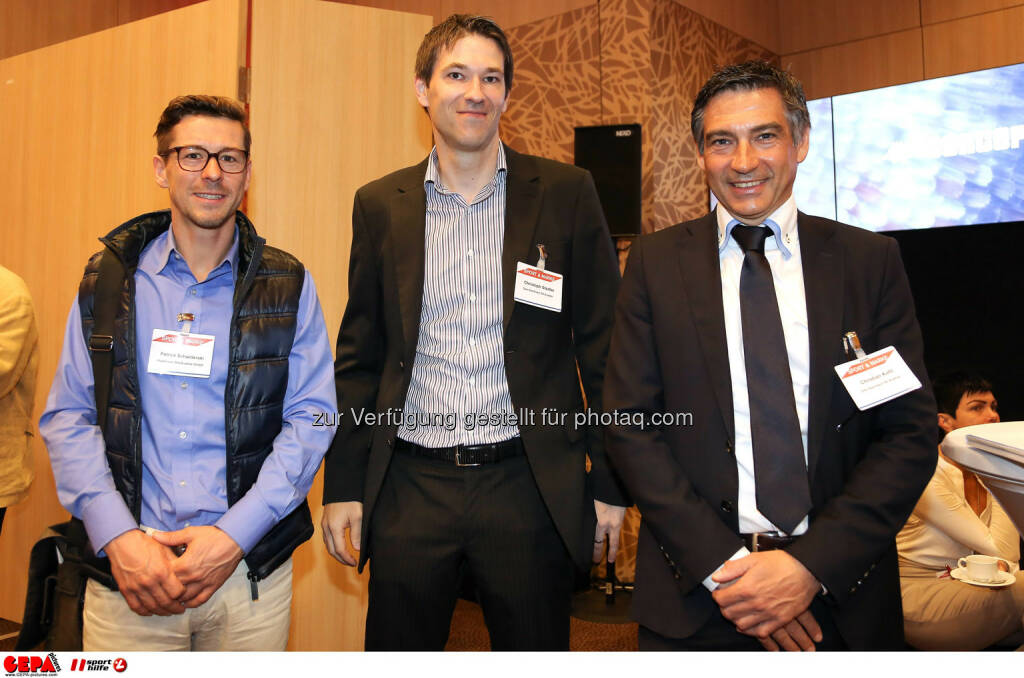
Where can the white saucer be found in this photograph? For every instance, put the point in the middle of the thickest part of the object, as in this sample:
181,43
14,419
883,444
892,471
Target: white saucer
1005,578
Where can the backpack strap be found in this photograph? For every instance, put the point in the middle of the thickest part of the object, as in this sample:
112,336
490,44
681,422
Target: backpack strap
106,300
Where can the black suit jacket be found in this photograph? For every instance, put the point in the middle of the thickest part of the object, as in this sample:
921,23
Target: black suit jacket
548,203
866,469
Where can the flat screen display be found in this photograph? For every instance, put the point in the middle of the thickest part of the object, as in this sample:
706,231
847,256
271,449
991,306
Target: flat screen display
942,152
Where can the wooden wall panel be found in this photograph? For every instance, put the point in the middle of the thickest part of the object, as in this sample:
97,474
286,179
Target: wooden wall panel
431,8
755,20
977,42
506,14
934,11
854,66
76,126
509,14
133,10
808,24
332,108
29,24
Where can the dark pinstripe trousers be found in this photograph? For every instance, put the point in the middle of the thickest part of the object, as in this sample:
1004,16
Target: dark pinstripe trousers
435,523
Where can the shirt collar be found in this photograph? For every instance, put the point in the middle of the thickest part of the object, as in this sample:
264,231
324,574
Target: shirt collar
782,223
433,175
157,254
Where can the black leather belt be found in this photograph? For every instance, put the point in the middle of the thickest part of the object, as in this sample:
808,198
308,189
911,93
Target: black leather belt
766,541
465,455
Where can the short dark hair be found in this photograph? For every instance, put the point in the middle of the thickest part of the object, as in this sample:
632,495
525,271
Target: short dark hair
746,77
951,387
451,30
198,104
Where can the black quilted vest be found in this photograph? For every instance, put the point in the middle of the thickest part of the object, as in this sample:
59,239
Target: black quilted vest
266,301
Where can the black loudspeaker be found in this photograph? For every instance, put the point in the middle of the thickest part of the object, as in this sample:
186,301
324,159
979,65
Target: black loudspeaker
612,153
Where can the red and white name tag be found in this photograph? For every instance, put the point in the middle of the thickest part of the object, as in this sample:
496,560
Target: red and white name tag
877,378
538,287
181,354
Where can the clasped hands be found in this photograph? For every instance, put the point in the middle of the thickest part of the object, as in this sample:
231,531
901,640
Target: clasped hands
767,595
153,580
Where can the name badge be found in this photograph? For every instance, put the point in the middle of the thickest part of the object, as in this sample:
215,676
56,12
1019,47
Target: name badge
180,353
538,287
877,378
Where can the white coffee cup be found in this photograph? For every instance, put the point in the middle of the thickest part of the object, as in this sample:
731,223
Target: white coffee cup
984,569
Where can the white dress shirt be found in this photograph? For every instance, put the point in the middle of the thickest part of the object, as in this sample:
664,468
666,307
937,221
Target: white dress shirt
783,254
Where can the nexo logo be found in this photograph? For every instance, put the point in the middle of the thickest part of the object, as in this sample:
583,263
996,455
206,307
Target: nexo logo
25,664
623,132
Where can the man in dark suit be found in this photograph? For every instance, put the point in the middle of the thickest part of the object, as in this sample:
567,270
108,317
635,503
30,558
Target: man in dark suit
769,516
475,464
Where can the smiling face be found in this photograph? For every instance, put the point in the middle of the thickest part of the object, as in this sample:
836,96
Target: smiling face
466,94
206,199
750,157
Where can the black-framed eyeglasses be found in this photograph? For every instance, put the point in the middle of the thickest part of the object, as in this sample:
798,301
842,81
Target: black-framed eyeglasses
195,158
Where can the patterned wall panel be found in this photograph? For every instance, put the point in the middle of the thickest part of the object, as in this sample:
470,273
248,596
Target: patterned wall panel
556,85
685,50
627,81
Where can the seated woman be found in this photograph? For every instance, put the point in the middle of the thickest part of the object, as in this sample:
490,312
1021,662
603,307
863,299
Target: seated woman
957,516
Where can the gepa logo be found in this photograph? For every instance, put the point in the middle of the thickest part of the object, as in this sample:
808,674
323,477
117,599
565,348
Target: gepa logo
30,664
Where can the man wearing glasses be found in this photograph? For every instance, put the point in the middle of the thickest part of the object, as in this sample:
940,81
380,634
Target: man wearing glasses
211,360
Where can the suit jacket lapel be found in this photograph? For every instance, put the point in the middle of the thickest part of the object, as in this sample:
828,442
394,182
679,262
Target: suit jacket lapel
701,281
407,219
823,286
523,194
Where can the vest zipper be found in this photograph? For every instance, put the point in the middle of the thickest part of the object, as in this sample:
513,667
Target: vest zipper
254,590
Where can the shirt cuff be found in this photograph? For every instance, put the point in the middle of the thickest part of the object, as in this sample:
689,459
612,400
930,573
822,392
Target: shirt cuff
247,520
107,517
712,585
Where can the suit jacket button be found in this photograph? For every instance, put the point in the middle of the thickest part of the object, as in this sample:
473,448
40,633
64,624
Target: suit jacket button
388,442
727,506
401,364
676,575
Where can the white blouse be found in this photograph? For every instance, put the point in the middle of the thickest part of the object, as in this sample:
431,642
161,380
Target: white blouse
943,527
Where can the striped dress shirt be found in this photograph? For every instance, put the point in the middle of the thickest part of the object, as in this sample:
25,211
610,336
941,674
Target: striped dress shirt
459,372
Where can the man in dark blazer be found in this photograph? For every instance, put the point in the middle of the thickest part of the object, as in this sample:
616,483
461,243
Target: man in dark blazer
475,463
713,571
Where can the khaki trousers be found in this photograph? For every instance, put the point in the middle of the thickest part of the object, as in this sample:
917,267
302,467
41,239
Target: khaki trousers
229,620
945,614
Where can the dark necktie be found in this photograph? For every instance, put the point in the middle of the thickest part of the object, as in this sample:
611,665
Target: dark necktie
780,472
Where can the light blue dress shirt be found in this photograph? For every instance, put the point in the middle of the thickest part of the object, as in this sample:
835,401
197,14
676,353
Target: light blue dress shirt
183,440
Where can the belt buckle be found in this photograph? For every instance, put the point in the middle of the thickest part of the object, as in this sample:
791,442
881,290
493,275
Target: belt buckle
754,539
458,461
